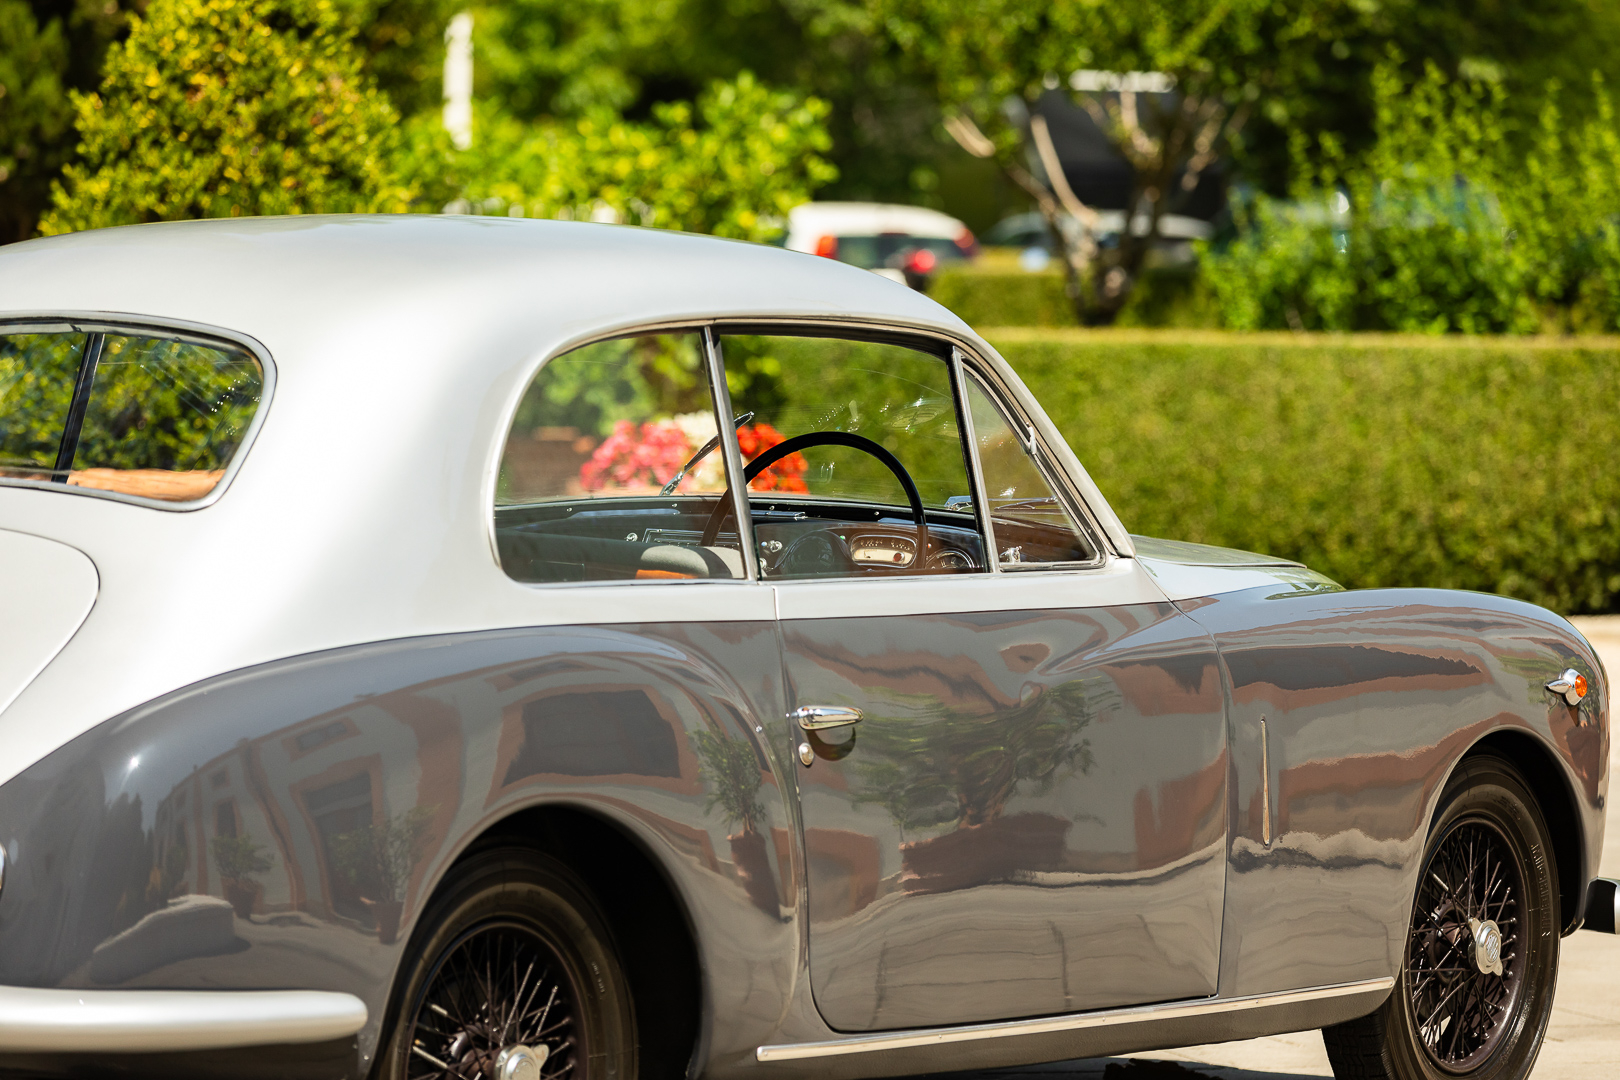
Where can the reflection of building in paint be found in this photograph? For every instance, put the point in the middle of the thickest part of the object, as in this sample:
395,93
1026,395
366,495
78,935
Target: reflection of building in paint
287,796
399,761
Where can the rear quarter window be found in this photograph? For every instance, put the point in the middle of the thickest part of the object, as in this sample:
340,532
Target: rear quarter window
137,414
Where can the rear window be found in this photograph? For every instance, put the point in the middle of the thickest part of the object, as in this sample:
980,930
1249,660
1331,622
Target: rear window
138,414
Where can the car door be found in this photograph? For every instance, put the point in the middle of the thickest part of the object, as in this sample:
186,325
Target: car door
1013,763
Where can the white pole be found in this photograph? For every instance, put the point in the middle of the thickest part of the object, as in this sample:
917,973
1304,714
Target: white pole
458,78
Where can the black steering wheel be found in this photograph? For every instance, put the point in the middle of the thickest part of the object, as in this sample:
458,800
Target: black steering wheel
827,438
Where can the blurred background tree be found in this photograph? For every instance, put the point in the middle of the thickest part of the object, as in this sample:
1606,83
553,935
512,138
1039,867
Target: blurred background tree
221,108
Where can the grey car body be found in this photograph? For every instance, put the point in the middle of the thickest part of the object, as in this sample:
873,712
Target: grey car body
330,644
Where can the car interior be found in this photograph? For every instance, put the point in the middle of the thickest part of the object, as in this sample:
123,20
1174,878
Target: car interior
854,461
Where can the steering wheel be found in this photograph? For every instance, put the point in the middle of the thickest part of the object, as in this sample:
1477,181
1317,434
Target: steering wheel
782,449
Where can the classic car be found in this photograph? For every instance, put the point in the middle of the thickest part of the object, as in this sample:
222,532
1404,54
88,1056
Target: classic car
471,648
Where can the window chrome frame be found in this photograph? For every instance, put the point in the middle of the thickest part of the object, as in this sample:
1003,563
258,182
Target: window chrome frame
698,328
1056,478
957,352
120,324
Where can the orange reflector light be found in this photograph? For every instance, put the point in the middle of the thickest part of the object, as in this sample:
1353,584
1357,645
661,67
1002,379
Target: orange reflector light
827,247
1580,686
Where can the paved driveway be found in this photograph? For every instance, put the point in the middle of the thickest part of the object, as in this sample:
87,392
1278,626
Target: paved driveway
1583,1042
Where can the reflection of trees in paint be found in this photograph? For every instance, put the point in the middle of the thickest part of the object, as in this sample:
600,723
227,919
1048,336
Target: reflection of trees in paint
730,770
934,765
380,857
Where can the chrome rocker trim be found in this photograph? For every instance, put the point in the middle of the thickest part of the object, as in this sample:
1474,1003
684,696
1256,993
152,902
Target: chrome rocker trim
903,1040
133,1021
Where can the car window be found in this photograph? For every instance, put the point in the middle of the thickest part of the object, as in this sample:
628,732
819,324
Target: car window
37,375
835,429
591,486
1031,525
149,416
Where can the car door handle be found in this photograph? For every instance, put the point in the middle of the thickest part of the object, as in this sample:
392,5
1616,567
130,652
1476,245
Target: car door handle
824,717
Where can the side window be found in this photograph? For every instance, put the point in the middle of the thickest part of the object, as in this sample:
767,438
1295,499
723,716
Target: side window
612,468
155,417
164,417
37,375
1029,522
856,463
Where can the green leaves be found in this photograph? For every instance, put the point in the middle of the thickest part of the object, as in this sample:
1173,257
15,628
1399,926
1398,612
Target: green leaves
734,169
1452,222
222,108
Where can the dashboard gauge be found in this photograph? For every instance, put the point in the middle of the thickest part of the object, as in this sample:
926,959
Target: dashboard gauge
951,560
879,549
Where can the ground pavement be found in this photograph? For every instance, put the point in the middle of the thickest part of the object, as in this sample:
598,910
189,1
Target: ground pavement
1583,1040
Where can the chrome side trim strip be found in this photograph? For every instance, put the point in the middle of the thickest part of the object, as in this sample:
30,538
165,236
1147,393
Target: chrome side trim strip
1265,784
900,1040
130,1021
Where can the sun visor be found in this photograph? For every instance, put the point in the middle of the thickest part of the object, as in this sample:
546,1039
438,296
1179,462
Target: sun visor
46,590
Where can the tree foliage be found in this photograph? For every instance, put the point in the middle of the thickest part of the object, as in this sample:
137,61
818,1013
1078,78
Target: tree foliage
566,59
1458,218
733,164
215,108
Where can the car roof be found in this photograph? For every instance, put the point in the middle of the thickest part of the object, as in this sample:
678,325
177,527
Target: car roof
275,278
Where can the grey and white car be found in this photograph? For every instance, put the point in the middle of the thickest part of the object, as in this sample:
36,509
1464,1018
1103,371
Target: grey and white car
438,647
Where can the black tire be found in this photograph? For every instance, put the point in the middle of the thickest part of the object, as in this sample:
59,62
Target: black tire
513,930
1447,1018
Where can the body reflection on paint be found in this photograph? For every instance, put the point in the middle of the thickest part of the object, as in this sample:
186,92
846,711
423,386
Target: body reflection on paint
1030,820
300,848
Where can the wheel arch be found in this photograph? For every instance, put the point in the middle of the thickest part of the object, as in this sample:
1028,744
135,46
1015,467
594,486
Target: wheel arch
1555,798
644,908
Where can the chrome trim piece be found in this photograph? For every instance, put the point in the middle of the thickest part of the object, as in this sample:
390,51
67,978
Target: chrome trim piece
980,496
721,393
132,1021
1265,784
824,717
1571,685
107,322
901,1040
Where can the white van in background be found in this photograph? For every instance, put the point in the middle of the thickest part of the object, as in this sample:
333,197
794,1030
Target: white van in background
906,243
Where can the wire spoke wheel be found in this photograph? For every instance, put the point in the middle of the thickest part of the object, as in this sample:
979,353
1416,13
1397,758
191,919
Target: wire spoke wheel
1463,967
1479,961
512,975
500,988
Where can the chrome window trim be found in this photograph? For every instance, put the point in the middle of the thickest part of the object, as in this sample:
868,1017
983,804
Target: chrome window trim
134,1021
956,351
736,484
903,1040
976,488
1044,463
106,322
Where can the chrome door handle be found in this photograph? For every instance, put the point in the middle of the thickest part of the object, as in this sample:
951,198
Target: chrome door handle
823,717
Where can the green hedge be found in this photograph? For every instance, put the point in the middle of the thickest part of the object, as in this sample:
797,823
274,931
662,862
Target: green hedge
1004,297
1482,463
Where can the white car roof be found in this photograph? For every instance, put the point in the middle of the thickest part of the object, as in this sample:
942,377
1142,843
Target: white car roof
807,222
362,510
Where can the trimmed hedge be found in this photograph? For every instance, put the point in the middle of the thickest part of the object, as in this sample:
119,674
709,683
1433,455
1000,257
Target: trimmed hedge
1004,297
1478,463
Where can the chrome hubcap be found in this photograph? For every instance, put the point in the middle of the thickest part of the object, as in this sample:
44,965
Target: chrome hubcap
1487,946
521,1062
